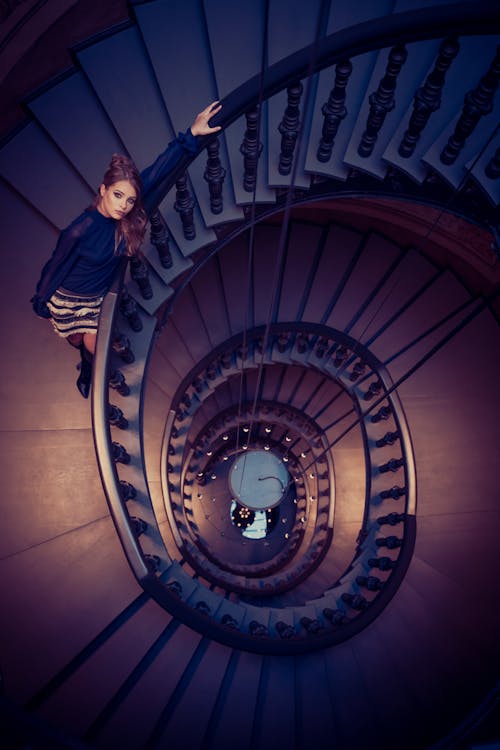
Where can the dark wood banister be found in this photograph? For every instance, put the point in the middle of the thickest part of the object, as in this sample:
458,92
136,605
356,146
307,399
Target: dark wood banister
461,19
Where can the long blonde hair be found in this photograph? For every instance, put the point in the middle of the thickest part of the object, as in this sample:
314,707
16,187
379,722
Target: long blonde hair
131,227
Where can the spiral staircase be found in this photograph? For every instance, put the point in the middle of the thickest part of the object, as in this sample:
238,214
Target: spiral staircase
319,300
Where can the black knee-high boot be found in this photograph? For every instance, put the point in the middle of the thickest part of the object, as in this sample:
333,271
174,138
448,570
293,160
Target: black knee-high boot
85,376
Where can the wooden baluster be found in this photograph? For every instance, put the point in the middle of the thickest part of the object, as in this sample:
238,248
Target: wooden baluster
477,103
382,100
214,174
128,309
492,169
251,149
334,110
139,272
428,97
289,128
184,204
160,239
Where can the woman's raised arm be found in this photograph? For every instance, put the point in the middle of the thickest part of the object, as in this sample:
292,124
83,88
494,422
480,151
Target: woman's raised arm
200,126
154,177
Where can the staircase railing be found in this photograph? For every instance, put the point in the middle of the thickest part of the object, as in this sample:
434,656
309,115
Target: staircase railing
466,19
431,23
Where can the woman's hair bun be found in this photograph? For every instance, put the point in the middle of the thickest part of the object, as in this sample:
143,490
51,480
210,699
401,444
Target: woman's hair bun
121,167
120,160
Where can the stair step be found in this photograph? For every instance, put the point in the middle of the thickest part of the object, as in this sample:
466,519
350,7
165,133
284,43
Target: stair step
354,713
382,677
188,713
66,622
177,573
197,316
342,416
264,262
285,38
54,188
333,264
239,697
180,264
203,594
71,113
432,306
342,15
376,259
172,346
412,273
442,678
212,305
301,245
463,530
274,721
477,55
120,56
140,703
463,74
445,597
307,385
316,721
303,610
331,404
232,261
402,655
313,587
420,56
161,37
346,529
442,596
161,291
106,669
235,610
161,377
490,185
237,58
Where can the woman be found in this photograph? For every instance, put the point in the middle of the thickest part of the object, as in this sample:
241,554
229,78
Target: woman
82,267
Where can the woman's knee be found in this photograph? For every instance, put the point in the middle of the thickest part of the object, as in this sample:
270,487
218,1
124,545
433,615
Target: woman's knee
89,340
75,339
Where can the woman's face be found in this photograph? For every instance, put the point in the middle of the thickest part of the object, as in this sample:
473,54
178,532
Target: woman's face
117,200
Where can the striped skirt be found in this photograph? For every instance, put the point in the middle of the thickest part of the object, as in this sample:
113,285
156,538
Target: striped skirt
74,313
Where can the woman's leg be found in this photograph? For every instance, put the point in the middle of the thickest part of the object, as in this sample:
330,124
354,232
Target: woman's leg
89,340
87,349
75,339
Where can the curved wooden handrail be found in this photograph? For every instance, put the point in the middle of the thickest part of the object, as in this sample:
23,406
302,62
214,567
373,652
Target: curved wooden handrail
101,429
461,19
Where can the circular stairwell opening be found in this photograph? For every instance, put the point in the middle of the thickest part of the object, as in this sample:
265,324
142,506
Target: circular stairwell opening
256,525
259,479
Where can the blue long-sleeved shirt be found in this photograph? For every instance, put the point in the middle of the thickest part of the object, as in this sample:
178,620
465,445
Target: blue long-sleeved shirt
85,260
